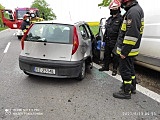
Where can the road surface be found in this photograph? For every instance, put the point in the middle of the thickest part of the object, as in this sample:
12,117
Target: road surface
39,98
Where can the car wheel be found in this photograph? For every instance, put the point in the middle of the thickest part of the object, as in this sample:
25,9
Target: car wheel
28,73
83,72
19,37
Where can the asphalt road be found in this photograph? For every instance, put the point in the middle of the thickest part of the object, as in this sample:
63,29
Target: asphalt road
40,98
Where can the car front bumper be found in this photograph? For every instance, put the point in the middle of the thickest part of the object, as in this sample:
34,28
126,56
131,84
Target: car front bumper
63,69
19,33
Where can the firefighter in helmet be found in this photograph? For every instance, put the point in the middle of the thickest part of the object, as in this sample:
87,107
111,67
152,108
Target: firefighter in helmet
127,46
26,23
112,26
34,17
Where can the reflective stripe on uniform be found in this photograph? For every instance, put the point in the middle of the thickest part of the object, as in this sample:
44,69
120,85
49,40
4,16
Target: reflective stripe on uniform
33,21
130,40
133,52
118,51
142,26
128,82
142,21
124,26
24,30
133,77
27,26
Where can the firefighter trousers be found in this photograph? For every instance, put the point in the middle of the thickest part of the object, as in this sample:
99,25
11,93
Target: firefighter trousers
108,58
127,71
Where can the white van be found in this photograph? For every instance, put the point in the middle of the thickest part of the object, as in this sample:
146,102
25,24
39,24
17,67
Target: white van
149,55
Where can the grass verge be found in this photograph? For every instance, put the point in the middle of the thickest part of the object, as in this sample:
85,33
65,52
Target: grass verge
3,28
94,29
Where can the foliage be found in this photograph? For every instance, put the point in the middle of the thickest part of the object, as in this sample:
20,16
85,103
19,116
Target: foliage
1,23
105,3
43,7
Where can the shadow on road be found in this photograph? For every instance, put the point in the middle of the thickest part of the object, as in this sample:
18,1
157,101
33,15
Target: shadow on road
55,81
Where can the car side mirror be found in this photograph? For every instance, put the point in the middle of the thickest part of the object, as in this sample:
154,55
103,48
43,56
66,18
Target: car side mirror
83,34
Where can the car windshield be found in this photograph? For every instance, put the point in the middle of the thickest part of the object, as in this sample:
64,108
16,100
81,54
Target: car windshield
55,33
20,14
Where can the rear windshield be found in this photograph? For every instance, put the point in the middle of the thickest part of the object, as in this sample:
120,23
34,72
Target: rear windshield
54,33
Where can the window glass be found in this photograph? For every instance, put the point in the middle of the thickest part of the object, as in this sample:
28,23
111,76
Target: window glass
88,31
8,15
56,33
20,14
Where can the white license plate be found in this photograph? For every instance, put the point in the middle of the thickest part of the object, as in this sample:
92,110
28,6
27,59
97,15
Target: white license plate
44,70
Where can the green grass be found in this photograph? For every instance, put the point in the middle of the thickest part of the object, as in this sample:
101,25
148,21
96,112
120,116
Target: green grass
3,28
94,29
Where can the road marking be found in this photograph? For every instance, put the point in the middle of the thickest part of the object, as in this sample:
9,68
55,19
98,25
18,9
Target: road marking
139,88
7,47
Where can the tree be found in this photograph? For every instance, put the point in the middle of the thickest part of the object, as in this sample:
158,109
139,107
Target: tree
44,9
105,3
1,7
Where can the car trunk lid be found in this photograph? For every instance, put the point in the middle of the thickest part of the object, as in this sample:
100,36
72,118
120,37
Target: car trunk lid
49,41
52,51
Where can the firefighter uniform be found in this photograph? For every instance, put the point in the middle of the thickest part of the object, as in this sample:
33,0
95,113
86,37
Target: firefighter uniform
26,23
112,27
36,19
110,37
128,45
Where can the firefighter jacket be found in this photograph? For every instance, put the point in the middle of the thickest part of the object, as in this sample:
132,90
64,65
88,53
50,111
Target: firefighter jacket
25,25
36,19
112,27
131,31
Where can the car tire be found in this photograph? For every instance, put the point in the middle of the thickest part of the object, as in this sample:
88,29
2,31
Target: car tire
83,72
19,37
28,73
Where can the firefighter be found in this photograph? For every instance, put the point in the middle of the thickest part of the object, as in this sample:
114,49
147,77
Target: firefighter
113,24
127,45
26,23
43,16
34,17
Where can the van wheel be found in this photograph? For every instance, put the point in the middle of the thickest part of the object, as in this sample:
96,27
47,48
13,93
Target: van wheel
83,72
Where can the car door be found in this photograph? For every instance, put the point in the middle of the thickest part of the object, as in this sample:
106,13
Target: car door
90,40
8,18
86,40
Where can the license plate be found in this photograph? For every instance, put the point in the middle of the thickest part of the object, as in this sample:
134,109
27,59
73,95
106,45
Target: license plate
44,70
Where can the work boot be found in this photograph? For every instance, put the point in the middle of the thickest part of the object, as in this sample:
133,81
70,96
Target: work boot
114,72
133,89
122,95
125,93
104,69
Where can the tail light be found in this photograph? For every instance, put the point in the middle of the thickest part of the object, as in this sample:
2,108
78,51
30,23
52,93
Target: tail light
24,37
75,40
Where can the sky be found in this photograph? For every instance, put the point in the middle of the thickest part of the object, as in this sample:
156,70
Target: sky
76,10
86,10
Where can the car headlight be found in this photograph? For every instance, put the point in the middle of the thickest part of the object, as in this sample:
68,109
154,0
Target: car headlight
14,25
